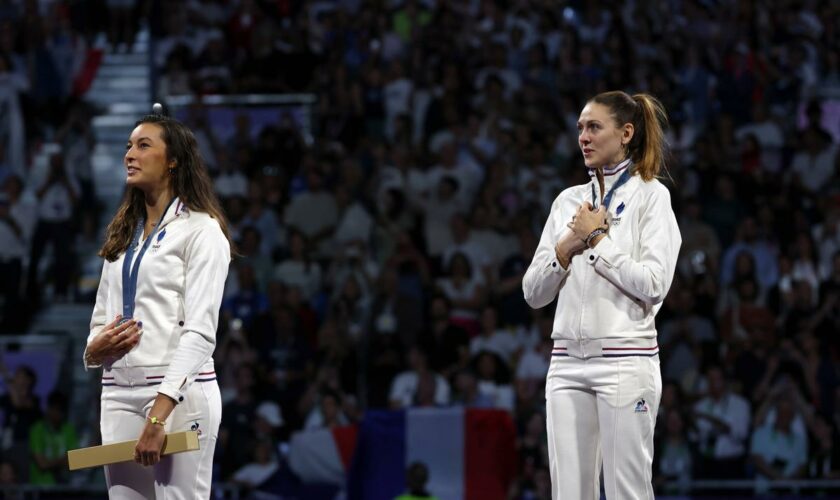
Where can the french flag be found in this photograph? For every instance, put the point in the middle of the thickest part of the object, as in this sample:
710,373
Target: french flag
470,453
323,456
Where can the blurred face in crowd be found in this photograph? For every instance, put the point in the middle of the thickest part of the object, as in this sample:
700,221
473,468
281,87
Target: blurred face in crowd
784,415
329,408
145,158
674,424
600,138
488,321
717,385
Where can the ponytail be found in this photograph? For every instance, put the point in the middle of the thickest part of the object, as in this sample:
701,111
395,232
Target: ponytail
649,155
647,115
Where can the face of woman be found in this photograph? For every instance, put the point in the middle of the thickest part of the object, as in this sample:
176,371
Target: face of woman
145,158
600,140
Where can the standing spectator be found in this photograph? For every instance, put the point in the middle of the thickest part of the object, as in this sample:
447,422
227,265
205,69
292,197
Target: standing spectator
722,419
20,409
674,460
56,200
404,387
12,253
417,476
777,452
49,441
464,291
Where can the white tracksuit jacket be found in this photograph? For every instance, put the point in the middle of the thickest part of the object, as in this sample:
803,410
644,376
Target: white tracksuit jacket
179,292
609,295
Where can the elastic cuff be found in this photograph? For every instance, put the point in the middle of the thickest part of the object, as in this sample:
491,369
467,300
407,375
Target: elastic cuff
602,252
174,394
555,267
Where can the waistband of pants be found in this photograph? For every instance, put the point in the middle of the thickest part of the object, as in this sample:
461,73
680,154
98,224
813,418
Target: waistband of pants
143,376
606,348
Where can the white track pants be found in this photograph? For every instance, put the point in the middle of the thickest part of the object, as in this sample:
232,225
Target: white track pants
602,411
181,476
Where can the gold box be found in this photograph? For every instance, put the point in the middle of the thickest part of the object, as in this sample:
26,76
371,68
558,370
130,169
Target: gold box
94,456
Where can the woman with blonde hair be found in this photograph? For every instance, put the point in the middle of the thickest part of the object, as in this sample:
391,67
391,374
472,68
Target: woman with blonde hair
607,254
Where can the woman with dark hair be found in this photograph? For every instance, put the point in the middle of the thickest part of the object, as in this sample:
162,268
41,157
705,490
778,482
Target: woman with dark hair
153,329
607,254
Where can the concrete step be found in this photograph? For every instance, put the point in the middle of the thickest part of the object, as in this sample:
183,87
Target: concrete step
132,108
133,59
106,121
120,70
114,96
129,84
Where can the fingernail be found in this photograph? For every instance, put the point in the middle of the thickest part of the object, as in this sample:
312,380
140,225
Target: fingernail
140,324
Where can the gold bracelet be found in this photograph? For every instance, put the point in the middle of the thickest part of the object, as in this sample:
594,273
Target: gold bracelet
157,421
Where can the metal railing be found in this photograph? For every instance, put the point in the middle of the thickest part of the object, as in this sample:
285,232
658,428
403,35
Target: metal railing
228,491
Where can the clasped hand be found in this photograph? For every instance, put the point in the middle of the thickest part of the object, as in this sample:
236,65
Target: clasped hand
587,220
115,340
581,226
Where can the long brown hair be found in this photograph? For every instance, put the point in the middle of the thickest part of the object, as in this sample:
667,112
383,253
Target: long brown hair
189,181
648,147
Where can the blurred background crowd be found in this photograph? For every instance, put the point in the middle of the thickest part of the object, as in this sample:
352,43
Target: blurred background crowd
382,248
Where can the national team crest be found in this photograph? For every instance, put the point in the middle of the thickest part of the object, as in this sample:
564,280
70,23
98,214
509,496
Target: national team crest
159,237
641,406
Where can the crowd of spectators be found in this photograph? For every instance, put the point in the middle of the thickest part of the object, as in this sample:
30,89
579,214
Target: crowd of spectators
48,213
381,258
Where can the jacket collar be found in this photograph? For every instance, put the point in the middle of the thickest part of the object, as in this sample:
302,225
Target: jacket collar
611,175
177,209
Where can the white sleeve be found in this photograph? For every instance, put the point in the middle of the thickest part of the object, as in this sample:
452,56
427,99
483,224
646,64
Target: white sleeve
542,280
207,258
99,318
650,278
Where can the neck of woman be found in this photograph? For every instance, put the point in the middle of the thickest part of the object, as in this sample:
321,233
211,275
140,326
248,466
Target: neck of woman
157,200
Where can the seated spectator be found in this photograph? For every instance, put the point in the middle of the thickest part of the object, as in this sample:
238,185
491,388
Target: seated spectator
49,441
405,385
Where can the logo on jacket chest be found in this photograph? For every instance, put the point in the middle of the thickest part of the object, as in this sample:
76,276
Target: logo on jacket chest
158,240
616,219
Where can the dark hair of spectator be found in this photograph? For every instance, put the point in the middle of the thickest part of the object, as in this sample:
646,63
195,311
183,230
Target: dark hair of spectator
190,183
647,115
58,400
